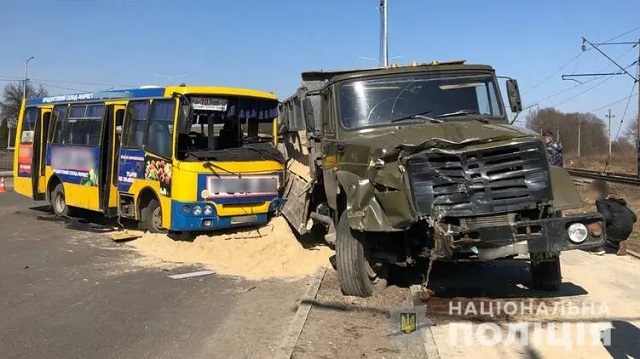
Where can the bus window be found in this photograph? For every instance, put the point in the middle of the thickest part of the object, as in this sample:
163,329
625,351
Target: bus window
28,125
85,122
160,130
135,123
58,126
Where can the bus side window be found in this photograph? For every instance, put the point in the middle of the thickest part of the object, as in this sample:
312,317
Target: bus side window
135,122
57,127
28,125
119,120
159,136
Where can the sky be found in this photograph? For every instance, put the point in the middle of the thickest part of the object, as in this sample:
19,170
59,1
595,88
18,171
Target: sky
83,45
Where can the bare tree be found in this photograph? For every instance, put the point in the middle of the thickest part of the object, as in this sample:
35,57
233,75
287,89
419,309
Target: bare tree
569,128
630,131
12,98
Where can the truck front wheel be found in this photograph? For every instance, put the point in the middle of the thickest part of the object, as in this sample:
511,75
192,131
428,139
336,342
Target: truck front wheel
545,271
357,275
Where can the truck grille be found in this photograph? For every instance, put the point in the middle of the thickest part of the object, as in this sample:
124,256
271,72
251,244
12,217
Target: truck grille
495,180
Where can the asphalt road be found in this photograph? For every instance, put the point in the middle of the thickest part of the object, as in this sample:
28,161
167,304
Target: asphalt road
72,294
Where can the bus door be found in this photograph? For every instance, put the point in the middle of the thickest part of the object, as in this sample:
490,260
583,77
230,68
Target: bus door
109,158
38,160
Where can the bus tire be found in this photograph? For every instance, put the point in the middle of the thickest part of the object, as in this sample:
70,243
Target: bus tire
151,217
355,273
58,201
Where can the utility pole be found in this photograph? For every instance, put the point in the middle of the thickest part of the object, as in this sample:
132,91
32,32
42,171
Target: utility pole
610,116
26,78
384,34
579,135
638,115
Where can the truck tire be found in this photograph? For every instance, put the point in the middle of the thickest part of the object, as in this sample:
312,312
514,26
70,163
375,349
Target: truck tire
545,271
355,274
151,217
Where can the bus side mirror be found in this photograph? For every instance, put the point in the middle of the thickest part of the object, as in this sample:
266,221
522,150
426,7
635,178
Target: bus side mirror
513,92
309,116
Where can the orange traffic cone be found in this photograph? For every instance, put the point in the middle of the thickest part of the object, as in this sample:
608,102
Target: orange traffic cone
3,188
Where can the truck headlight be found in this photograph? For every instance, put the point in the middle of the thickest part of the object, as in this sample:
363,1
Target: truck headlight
577,232
197,210
208,210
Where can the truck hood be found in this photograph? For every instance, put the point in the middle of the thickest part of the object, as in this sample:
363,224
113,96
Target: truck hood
448,135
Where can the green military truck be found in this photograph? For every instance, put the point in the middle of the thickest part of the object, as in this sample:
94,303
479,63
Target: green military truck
418,161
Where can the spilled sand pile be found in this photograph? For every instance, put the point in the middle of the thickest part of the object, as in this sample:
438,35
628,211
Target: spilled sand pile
271,251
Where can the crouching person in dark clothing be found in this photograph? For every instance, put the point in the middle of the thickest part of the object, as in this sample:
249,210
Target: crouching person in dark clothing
618,217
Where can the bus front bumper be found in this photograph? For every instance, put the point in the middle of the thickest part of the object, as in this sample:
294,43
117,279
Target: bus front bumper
183,220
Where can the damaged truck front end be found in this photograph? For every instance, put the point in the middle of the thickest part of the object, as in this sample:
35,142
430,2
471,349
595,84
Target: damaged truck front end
472,200
419,163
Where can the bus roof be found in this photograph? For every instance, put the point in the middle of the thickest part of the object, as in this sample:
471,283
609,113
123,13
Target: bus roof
147,92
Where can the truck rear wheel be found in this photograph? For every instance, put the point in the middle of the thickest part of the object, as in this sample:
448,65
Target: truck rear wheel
545,271
356,274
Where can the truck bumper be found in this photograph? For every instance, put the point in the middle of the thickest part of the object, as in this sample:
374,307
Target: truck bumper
538,236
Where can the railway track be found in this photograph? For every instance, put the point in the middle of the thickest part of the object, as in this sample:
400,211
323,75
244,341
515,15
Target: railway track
622,178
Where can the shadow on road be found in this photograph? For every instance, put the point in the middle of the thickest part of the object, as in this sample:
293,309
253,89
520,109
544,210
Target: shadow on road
494,280
625,340
82,220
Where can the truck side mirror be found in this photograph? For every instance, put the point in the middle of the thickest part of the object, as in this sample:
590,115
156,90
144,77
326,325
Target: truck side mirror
513,92
308,114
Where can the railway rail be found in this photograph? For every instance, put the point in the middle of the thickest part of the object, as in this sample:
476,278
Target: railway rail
622,178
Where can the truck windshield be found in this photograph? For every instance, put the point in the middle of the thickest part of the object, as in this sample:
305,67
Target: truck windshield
383,100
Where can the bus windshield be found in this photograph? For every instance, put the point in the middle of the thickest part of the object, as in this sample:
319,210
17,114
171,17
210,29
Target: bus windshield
383,100
212,127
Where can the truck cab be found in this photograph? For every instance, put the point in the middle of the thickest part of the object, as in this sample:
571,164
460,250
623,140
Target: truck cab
421,161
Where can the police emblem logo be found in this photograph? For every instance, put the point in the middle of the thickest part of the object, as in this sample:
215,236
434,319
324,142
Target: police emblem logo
408,322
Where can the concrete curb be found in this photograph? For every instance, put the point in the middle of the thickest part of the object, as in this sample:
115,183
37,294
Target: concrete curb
633,254
288,344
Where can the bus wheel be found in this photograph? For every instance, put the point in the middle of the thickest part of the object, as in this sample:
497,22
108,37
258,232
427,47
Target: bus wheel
151,217
58,202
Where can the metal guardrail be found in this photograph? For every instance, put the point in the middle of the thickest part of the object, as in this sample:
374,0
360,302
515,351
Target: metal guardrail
6,159
623,178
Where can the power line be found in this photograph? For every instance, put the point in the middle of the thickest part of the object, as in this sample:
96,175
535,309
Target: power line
612,103
59,87
553,73
586,82
583,92
582,84
621,35
12,78
626,107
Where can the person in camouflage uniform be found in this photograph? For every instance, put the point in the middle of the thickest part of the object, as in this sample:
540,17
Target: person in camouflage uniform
554,149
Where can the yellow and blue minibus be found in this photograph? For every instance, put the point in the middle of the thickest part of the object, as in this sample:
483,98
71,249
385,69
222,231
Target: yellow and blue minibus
178,158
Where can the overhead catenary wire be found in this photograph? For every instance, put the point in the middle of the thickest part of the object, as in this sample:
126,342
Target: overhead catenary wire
623,34
568,89
548,77
626,107
13,78
553,73
59,87
612,103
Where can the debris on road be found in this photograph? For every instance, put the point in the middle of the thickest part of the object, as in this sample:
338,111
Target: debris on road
126,235
271,251
192,274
